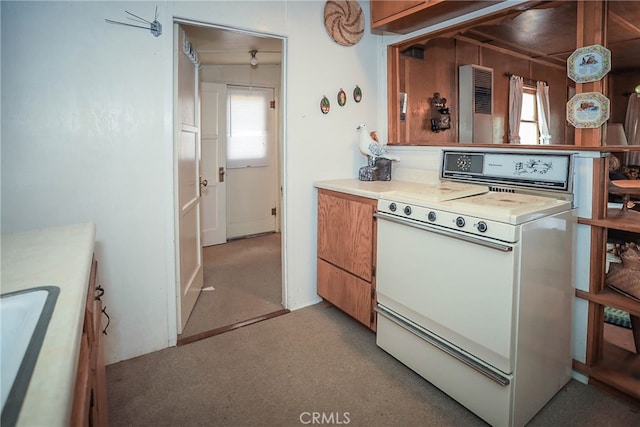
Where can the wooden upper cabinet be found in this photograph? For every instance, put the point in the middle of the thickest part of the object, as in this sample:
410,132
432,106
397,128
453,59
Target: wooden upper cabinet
402,17
382,10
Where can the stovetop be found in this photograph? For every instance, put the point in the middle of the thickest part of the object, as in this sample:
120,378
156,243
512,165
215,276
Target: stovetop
436,192
483,191
470,208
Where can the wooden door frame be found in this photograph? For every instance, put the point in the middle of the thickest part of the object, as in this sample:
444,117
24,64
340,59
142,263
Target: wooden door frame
173,233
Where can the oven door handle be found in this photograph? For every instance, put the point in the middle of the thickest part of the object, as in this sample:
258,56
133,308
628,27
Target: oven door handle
443,346
425,227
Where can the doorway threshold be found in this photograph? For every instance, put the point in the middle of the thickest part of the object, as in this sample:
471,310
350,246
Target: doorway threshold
221,330
251,236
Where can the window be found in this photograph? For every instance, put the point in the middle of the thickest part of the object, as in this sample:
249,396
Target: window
248,126
529,132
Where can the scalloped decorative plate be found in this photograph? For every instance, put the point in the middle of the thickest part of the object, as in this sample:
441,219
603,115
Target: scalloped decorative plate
589,64
588,110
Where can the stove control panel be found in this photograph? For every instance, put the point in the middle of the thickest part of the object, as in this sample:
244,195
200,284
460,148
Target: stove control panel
522,169
430,216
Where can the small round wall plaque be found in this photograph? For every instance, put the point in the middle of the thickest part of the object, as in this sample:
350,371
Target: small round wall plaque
325,105
342,98
357,94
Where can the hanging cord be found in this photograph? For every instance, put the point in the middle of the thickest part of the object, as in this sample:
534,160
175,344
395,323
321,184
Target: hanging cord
100,291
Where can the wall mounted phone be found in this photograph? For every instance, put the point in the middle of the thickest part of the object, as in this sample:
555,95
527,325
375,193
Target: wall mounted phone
441,118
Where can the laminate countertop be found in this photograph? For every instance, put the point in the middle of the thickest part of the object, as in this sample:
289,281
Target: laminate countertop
370,189
405,180
61,257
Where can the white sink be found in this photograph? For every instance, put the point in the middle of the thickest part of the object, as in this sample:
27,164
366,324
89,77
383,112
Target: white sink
24,317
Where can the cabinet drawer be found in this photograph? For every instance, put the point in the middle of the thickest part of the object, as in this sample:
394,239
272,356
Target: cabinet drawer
346,291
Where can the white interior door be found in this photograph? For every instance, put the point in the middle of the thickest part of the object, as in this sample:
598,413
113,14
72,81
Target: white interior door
213,122
252,168
187,140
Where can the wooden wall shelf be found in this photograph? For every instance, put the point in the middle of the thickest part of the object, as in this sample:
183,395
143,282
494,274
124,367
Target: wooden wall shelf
610,298
626,221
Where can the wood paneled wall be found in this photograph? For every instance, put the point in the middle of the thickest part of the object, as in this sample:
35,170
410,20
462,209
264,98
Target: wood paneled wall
438,72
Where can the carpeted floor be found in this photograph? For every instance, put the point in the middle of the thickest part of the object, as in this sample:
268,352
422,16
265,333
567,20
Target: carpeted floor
315,360
242,280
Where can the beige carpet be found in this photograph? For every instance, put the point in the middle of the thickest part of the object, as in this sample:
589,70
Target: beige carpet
279,371
246,280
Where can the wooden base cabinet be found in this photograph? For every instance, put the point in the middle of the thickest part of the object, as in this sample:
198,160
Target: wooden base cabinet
346,254
90,398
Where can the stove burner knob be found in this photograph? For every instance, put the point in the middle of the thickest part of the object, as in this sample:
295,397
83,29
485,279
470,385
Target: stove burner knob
407,210
481,226
392,207
431,216
460,222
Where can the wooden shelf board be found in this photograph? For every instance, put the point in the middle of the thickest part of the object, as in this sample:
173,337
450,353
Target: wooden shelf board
612,299
628,221
619,369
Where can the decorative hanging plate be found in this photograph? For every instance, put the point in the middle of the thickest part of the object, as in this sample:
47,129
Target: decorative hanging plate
589,64
588,110
344,21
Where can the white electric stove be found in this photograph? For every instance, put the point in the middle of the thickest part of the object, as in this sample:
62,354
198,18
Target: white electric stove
474,280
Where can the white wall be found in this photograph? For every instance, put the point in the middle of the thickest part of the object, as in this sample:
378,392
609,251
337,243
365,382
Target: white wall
86,136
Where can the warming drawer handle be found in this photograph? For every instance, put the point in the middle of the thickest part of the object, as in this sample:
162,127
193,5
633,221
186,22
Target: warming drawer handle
446,233
456,354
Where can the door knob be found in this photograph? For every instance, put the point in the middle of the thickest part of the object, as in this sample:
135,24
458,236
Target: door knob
221,174
203,182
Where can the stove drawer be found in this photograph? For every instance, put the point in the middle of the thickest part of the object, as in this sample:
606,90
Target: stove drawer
484,397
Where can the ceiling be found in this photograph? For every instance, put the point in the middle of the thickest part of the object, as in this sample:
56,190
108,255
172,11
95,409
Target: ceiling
216,46
547,32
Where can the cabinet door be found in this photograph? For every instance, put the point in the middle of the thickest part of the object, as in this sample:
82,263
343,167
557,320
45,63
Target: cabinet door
346,291
384,9
405,16
345,233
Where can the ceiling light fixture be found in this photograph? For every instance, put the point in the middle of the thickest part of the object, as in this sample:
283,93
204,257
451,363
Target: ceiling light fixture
254,60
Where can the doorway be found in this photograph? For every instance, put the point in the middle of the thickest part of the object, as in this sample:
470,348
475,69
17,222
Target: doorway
230,291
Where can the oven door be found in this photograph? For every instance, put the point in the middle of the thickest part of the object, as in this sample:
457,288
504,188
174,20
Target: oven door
460,288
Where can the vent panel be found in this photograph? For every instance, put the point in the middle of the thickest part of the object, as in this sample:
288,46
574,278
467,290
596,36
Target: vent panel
482,91
475,104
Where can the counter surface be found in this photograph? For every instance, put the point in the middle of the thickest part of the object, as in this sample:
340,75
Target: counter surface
60,257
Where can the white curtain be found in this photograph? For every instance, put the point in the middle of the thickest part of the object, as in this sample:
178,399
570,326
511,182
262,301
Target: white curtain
515,108
542,98
632,127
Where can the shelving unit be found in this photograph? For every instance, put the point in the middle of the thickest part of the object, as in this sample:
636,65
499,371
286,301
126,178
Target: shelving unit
608,366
